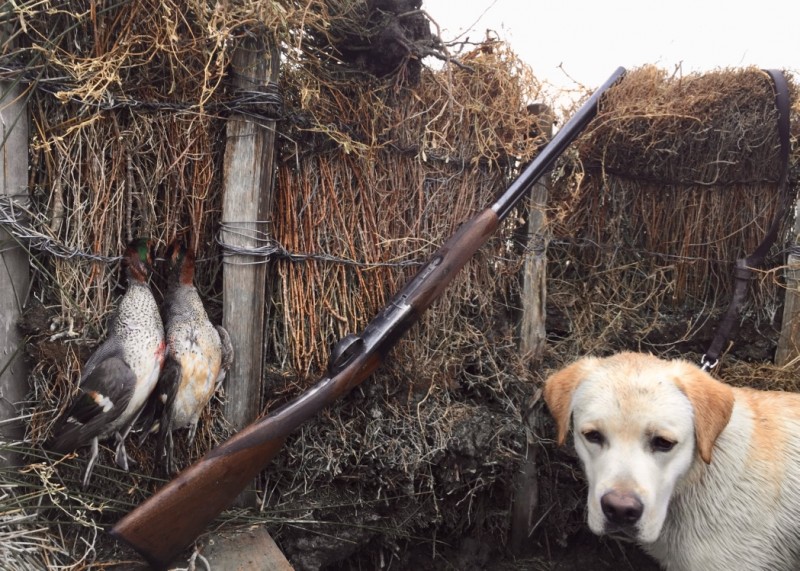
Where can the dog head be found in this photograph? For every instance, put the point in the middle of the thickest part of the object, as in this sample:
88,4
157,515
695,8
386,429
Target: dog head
639,424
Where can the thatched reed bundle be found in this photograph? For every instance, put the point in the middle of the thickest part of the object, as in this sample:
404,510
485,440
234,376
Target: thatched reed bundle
678,178
406,172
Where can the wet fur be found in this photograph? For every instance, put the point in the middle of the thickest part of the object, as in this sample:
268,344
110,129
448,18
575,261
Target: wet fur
727,496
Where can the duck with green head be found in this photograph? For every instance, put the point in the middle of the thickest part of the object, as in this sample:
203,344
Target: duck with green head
198,357
120,375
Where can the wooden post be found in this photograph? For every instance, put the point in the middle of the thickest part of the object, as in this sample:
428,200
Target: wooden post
788,348
14,273
789,342
14,269
534,289
247,205
532,337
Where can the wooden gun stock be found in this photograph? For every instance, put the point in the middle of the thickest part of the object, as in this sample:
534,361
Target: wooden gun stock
174,516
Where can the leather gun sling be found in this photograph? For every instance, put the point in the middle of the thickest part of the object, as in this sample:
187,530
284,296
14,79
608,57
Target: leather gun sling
743,271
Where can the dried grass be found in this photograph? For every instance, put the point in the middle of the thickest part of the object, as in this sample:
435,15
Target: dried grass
129,103
674,181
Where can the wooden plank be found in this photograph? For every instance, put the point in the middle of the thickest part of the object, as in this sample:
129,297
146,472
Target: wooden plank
14,268
252,548
247,204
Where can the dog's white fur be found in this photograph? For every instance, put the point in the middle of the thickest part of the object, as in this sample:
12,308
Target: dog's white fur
726,496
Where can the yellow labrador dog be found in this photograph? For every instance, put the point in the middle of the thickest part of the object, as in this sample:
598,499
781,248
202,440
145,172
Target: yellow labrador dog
703,475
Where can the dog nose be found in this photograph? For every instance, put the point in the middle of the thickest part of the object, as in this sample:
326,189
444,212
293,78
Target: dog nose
621,508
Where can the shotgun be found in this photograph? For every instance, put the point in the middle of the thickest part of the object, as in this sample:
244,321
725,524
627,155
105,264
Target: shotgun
171,519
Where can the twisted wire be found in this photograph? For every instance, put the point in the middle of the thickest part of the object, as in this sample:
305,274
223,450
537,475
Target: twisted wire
16,218
262,101
264,248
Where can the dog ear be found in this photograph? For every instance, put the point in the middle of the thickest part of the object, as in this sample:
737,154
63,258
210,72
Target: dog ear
558,389
712,402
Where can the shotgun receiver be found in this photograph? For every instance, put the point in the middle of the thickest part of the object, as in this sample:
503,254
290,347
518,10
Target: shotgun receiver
173,517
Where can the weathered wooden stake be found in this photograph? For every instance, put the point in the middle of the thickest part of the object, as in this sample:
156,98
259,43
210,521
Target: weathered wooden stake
534,289
247,205
14,269
788,348
532,338
789,341
534,271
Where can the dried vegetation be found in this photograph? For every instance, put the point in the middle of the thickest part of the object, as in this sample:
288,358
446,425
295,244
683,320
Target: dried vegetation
380,159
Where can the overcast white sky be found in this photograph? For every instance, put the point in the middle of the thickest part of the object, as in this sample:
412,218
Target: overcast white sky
584,41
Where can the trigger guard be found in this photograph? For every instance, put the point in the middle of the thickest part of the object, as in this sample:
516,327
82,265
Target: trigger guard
343,352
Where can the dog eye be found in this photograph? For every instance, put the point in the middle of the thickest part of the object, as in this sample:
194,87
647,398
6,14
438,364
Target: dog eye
661,444
594,436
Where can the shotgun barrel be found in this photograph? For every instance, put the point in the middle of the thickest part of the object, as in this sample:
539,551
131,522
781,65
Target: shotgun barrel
165,524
